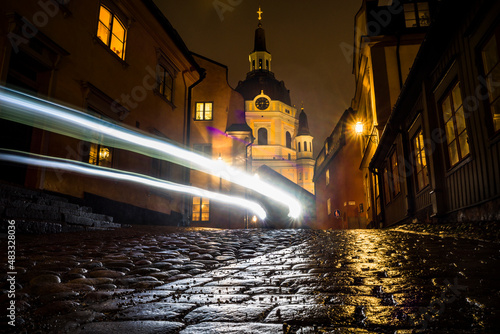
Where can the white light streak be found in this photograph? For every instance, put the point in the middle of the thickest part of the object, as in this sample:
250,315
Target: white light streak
56,118
91,170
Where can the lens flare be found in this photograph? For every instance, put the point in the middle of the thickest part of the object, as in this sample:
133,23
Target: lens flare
91,170
26,109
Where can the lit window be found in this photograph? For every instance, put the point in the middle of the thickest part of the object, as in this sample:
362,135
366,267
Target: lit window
100,155
329,206
204,111
417,14
422,173
111,31
165,83
327,177
454,120
262,136
396,188
491,69
201,209
260,64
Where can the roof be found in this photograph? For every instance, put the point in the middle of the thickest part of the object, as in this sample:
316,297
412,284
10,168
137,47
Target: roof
303,125
263,80
169,29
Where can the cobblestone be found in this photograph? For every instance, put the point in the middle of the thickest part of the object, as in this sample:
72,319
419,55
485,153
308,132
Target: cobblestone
141,280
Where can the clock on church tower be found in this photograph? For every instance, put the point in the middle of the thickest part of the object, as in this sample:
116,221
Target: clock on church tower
262,103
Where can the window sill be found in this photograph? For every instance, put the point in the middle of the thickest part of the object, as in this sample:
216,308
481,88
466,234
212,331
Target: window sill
97,40
161,96
459,165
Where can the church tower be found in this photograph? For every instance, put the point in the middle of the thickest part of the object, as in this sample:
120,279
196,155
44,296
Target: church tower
305,157
271,116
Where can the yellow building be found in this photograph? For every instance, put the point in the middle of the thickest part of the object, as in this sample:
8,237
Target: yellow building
281,143
386,41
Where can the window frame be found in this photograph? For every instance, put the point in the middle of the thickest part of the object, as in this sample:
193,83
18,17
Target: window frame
395,179
122,19
448,93
204,149
419,161
416,11
200,211
161,82
204,111
490,119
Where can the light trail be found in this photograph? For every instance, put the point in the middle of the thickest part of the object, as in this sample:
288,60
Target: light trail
91,170
36,112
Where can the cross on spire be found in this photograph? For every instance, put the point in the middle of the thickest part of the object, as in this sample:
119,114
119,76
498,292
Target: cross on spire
260,13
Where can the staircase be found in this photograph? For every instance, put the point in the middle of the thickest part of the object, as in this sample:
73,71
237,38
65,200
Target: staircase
37,212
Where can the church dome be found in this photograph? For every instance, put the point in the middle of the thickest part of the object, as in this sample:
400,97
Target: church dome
262,80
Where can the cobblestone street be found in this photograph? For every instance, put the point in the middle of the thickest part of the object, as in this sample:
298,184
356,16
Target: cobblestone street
157,280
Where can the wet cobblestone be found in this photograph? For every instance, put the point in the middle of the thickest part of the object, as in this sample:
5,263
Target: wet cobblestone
157,280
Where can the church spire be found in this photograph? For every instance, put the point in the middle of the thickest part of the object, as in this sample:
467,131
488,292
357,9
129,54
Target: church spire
260,58
260,36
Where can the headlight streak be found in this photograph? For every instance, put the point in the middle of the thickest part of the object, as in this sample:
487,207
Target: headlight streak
91,170
56,118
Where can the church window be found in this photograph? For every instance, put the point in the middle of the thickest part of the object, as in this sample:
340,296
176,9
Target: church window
201,209
253,64
417,14
329,206
262,136
165,82
288,140
299,146
111,31
260,64
305,146
267,64
204,111
327,177
310,147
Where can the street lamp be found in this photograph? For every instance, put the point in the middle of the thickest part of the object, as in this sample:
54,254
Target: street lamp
359,128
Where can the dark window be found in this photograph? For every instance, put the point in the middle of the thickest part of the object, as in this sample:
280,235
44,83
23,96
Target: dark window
205,149
253,64
387,192
288,140
491,69
299,146
396,187
417,14
267,64
262,136
454,120
165,83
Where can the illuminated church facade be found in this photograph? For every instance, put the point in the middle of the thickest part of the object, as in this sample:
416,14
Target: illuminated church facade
282,140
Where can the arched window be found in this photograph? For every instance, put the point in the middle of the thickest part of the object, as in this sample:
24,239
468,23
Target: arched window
262,136
288,140
299,146
305,146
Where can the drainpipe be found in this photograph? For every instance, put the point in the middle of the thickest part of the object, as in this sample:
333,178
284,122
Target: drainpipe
398,57
187,124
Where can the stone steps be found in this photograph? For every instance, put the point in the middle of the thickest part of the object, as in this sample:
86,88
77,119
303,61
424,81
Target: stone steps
38,212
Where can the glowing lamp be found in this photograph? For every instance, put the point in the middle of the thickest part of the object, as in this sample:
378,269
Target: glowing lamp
358,128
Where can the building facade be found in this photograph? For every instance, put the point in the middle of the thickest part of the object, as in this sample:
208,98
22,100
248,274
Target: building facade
340,196
439,154
387,37
118,60
280,143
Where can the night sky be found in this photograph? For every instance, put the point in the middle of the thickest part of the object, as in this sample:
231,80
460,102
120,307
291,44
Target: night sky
304,38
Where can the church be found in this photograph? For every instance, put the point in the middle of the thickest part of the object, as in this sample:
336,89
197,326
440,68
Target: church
282,140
